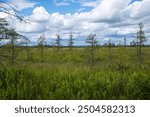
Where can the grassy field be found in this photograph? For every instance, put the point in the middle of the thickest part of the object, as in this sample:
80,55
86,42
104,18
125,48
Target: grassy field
115,73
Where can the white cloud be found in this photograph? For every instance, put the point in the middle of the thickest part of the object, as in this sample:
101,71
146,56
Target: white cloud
115,17
80,10
23,4
3,15
91,3
39,15
61,2
85,3
32,27
139,10
109,11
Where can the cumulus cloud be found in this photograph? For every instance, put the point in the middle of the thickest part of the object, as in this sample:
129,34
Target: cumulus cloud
139,9
39,14
115,17
36,23
31,27
109,11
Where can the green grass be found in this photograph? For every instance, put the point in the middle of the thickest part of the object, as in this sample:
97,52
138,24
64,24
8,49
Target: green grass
71,75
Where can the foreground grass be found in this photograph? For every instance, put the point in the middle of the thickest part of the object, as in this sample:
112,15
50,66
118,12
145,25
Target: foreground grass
73,83
72,76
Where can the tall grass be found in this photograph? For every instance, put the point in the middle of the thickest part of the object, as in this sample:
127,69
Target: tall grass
68,75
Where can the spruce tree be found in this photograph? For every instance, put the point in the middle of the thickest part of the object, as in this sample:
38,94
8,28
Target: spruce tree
58,42
71,41
140,39
41,42
91,40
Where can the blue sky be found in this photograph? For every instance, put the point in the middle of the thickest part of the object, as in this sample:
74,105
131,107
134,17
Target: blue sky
53,6
108,19
57,6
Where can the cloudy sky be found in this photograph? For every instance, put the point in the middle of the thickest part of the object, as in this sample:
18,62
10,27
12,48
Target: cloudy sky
108,19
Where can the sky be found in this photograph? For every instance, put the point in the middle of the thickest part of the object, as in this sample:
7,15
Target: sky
108,19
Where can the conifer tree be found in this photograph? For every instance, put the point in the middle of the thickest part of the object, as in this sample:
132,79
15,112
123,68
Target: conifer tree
58,42
140,39
71,41
41,42
91,40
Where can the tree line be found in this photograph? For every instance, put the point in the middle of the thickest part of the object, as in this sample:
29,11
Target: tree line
11,36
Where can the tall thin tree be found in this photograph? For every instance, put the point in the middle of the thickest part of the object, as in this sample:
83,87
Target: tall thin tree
140,39
41,43
12,34
71,41
125,42
58,42
91,40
